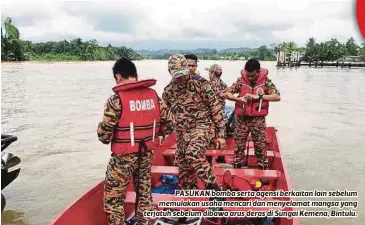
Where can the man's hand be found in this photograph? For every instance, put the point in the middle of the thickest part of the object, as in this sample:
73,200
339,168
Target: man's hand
242,99
220,143
251,96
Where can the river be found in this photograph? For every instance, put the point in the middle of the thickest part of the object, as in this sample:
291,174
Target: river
54,109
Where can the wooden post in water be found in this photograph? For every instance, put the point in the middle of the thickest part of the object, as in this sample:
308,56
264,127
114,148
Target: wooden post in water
284,58
294,62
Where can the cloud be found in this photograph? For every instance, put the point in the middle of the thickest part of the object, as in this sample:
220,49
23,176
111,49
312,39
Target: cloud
185,24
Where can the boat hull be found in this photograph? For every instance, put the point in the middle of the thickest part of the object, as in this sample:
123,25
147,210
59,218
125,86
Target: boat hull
88,210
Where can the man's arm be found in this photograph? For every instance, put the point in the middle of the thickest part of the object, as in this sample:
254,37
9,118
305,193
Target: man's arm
273,93
230,96
112,112
234,89
215,108
165,99
167,120
219,88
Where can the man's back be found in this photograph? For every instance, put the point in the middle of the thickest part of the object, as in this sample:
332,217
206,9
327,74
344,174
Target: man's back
193,105
134,106
219,88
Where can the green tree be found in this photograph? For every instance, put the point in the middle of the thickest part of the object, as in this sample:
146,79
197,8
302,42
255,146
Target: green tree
352,47
362,52
11,45
263,53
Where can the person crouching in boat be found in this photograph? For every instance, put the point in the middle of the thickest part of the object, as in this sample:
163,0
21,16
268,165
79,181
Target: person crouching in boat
256,90
195,107
132,141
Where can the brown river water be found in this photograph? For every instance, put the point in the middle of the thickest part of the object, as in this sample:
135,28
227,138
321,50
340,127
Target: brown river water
54,109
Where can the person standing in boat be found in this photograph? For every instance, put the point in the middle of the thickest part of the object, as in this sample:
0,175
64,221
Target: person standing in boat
219,88
256,90
133,118
195,108
218,85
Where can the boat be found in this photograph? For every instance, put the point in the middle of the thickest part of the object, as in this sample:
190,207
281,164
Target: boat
88,209
9,165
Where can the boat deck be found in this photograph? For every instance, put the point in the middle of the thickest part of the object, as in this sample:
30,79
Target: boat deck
238,179
89,208
248,173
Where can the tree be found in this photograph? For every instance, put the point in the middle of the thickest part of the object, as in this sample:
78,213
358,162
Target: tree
311,50
333,50
263,53
352,47
362,52
11,45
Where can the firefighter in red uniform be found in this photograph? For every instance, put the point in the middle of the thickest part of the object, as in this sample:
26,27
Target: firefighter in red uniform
255,90
132,123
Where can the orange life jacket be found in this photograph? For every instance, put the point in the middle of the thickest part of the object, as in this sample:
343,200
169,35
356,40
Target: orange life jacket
252,107
140,117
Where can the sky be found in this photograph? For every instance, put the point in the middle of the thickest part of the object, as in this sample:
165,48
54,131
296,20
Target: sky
188,24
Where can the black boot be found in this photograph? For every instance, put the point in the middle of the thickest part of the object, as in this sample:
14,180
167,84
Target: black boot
182,220
215,187
221,159
209,159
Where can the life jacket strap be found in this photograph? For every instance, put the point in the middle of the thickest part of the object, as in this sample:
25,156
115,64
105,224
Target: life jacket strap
131,127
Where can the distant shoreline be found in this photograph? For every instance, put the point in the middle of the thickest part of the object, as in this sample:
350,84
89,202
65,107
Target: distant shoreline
13,48
132,60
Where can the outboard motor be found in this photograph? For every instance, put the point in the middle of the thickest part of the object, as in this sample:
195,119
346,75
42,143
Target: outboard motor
8,162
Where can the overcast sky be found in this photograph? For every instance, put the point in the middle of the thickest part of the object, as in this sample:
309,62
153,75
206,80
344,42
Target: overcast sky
156,24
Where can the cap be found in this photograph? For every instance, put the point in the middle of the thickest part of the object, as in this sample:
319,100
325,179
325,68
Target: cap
214,68
178,65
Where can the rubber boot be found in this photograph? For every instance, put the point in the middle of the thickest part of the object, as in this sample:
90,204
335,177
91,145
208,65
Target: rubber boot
132,221
221,159
215,187
182,220
209,159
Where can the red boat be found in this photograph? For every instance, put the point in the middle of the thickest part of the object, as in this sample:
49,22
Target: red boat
88,210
